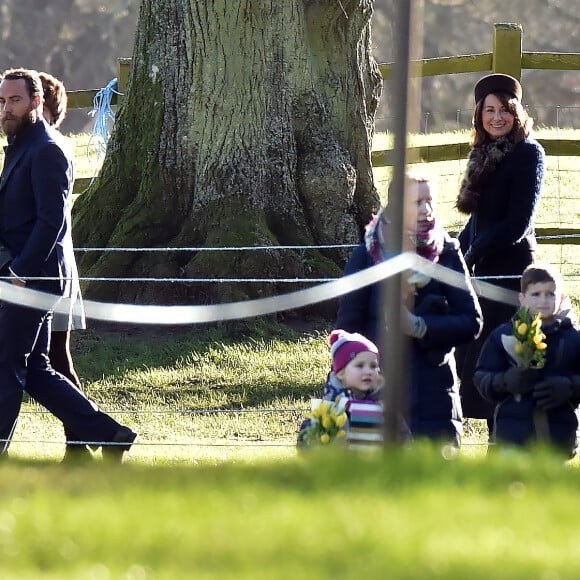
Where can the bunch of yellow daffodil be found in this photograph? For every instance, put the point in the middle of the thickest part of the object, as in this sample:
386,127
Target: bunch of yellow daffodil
327,423
530,346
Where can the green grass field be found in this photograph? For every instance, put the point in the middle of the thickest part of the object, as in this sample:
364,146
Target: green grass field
214,487
405,514
199,395
194,395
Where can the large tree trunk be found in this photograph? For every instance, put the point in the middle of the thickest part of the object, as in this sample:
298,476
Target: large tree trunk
245,123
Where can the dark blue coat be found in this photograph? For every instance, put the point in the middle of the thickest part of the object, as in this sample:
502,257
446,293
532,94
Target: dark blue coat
37,181
501,239
452,316
514,420
500,233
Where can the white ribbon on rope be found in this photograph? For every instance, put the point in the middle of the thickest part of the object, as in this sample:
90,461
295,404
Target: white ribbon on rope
198,314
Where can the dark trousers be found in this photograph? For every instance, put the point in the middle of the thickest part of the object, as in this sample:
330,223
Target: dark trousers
24,364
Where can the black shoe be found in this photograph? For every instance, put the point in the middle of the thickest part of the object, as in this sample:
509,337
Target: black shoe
77,454
121,442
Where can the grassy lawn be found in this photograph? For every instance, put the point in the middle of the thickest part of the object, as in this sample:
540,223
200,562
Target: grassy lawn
185,389
406,514
199,395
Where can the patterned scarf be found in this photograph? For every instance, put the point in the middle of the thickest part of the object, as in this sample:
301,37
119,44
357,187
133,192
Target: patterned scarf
481,165
428,239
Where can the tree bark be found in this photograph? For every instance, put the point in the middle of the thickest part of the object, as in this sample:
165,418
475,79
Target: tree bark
245,123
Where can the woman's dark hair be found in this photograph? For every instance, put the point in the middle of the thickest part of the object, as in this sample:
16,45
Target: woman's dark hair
523,123
55,99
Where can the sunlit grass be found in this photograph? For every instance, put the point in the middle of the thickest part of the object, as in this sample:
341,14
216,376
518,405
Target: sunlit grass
228,496
88,154
199,395
190,391
85,150
385,140
406,514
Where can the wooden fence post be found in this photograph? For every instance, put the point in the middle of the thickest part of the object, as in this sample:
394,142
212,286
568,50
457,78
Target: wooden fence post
124,65
507,49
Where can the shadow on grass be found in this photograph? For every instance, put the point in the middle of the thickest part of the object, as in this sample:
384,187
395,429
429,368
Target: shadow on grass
169,365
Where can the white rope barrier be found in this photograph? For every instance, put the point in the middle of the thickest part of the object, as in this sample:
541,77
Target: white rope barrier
218,249
178,315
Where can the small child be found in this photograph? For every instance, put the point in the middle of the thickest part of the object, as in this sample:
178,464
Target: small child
356,376
536,404
355,368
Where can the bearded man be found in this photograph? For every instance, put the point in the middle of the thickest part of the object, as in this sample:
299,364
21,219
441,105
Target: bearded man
35,201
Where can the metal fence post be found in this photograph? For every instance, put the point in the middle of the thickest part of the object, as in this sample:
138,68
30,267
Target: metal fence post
394,344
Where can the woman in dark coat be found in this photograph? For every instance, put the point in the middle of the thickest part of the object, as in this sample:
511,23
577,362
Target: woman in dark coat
437,316
500,192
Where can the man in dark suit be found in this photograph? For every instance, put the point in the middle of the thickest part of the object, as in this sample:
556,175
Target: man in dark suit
35,196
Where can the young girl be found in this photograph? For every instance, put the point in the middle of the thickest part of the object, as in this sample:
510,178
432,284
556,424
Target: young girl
356,377
355,367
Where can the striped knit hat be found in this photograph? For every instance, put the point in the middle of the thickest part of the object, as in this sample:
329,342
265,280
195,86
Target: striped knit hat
344,346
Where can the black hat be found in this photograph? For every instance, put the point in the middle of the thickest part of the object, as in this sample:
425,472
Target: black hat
497,83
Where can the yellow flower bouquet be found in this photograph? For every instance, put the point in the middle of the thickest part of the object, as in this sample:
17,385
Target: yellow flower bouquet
326,423
527,343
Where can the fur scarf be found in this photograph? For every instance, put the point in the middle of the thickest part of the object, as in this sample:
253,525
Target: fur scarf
481,165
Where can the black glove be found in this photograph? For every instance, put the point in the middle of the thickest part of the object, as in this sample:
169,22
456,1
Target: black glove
552,392
469,260
514,381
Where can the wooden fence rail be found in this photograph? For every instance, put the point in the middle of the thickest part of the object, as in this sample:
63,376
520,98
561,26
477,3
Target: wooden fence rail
507,57
84,99
454,151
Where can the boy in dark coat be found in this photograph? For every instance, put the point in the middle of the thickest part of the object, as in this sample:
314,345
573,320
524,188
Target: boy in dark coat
539,404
